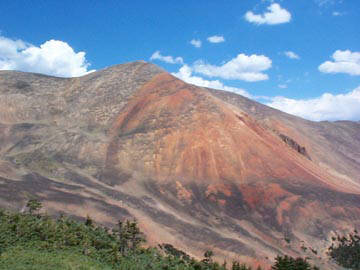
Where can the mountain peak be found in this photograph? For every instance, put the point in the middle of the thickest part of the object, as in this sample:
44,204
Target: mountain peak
197,167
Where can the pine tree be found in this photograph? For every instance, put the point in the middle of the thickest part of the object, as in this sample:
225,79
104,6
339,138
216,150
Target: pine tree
346,250
289,263
33,205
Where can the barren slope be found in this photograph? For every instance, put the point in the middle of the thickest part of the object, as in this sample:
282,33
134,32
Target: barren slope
199,168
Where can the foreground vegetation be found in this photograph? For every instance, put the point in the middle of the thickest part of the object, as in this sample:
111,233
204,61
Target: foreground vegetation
33,241
345,250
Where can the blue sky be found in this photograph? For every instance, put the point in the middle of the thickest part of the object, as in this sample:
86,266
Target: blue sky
302,57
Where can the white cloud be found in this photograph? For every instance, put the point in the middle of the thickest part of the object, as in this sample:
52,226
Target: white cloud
54,57
167,59
275,15
344,62
324,2
185,74
337,13
291,55
283,86
328,2
216,39
196,43
242,67
326,107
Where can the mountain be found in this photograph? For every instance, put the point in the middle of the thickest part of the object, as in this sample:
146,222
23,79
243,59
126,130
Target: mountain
199,168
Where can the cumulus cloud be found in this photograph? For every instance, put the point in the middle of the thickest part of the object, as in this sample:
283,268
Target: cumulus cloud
216,39
185,74
344,62
167,59
326,107
291,55
196,43
242,67
275,15
54,57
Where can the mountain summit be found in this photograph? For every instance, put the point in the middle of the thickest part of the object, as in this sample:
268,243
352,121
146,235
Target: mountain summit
199,168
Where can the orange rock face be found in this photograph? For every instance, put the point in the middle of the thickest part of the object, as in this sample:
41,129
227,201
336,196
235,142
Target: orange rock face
199,168
185,134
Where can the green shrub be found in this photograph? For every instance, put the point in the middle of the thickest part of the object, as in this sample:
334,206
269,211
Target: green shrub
290,263
345,250
20,258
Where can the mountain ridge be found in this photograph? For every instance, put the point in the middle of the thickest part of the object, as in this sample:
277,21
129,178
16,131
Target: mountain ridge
197,167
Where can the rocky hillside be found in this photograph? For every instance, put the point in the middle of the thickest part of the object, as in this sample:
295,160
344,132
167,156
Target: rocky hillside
197,167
